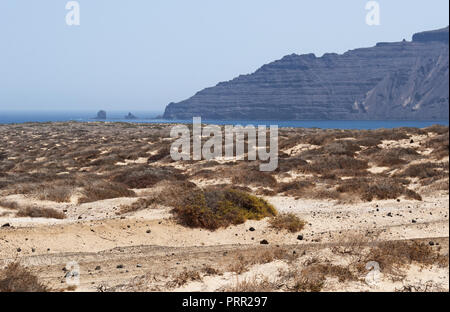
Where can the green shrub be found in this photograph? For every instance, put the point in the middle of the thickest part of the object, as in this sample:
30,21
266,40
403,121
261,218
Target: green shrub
215,208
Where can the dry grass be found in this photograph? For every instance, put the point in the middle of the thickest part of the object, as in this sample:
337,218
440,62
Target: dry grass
393,256
251,285
287,221
243,262
100,190
139,177
16,278
368,189
183,278
32,211
38,212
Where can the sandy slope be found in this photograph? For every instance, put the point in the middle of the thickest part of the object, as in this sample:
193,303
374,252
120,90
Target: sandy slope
149,243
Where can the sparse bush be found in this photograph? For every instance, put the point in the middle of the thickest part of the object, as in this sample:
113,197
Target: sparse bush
291,163
369,189
56,193
144,177
394,156
100,190
214,208
9,204
16,278
295,188
424,170
309,282
251,285
287,221
324,165
254,177
395,255
37,212
184,277
140,204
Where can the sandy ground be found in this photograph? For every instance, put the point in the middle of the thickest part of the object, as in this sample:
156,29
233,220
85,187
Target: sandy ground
115,253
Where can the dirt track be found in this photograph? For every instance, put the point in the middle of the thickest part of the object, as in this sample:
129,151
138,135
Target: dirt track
146,254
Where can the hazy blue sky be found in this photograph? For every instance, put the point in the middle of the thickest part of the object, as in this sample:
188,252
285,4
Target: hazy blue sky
143,54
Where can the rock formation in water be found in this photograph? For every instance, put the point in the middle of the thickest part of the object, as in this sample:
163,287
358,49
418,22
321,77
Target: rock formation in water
130,116
405,80
101,115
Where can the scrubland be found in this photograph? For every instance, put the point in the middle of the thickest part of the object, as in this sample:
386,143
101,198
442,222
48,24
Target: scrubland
109,197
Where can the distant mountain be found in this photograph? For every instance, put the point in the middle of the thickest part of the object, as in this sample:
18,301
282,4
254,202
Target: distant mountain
405,80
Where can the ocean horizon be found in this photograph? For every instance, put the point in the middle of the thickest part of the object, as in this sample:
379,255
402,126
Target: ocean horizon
151,117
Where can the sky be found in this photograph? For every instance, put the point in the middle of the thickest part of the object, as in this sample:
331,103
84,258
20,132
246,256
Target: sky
143,54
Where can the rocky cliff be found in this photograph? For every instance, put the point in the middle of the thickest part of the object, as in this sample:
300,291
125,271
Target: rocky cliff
400,80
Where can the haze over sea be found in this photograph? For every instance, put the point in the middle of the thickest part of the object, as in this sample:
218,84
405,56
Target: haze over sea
151,117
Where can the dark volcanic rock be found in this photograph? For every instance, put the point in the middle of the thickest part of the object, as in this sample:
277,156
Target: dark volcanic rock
130,116
433,35
101,115
400,80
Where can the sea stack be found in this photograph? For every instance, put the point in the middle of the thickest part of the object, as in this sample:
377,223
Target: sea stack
130,116
101,115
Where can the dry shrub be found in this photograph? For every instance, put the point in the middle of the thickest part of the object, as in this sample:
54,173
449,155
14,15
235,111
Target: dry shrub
100,190
425,170
37,212
174,193
394,156
16,278
32,211
368,141
390,134
340,147
143,177
309,281
56,193
295,188
244,261
324,165
291,163
323,193
438,129
343,274
215,208
9,204
369,189
440,145
162,153
183,278
140,204
287,221
250,285
254,177
393,256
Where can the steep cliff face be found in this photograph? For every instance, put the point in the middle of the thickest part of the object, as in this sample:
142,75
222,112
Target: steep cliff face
401,80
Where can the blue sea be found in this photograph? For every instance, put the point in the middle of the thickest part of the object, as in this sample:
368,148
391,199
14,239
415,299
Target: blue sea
150,117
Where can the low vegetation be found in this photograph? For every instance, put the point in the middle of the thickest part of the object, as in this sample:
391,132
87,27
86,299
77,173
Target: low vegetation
87,162
213,208
287,221
16,278
32,211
